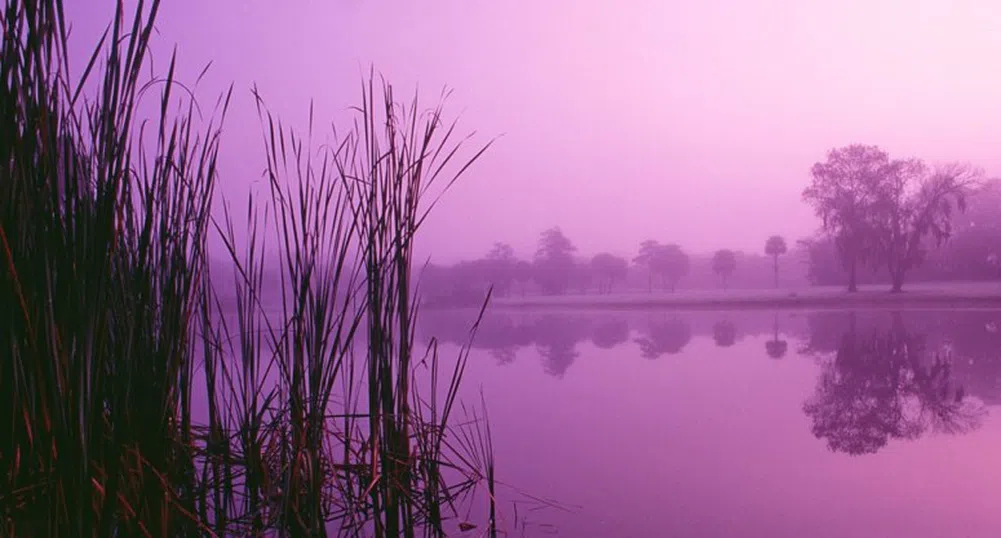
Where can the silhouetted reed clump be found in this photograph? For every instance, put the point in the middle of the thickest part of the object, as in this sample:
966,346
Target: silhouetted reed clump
147,392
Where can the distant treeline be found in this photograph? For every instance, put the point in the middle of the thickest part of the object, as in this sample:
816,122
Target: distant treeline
968,251
467,282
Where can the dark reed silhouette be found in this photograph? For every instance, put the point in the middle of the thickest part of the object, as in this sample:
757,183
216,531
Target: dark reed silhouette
149,393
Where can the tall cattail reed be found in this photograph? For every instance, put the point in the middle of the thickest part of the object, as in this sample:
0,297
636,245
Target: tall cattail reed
148,392
102,228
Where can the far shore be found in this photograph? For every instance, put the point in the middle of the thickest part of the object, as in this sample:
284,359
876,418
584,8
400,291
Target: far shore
939,295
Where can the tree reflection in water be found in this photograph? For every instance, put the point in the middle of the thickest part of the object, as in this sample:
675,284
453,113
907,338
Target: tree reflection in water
556,340
776,347
664,337
504,355
609,333
724,333
883,384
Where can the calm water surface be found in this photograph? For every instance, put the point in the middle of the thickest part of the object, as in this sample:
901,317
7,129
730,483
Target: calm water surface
732,424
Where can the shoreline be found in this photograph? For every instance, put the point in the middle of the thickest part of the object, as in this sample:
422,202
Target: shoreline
955,296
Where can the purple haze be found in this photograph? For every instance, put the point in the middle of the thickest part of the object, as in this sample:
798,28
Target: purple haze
692,122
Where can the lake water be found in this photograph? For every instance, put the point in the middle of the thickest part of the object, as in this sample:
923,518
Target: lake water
733,424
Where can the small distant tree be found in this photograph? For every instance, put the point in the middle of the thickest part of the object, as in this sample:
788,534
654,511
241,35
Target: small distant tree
523,273
582,276
775,247
645,259
724,264
671,263
554,261
501,251
500,268
608,268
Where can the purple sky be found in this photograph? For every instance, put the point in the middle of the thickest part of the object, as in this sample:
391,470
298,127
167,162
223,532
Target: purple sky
693,122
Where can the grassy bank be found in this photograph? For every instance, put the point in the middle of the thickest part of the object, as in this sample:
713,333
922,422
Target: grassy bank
923,295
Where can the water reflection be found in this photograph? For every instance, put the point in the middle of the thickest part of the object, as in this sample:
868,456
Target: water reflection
608,333
740,413
504,355
664,337
883,375
973,336
776,347
556,339
724,333
885,383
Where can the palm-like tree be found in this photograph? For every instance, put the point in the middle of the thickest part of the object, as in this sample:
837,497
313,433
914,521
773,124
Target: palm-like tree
775,247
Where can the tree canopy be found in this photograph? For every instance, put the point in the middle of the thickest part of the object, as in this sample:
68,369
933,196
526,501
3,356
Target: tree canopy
914,203
609,268
724,264
842,194
881,211
554,261
669,262
775,247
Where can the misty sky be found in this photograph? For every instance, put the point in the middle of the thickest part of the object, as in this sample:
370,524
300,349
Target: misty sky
693,122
